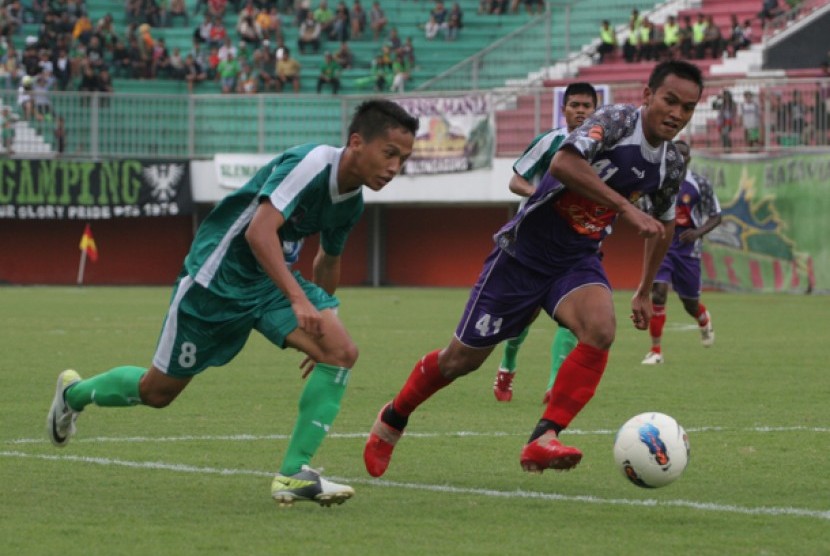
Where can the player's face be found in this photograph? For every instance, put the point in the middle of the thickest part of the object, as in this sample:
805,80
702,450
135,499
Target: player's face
576,109
669,108
382,158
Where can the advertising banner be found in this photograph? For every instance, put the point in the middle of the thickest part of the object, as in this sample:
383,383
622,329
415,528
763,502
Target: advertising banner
233,170
455,134
773,237
71,190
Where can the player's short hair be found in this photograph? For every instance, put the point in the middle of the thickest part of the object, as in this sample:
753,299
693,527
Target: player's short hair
680,68
375,117
580,88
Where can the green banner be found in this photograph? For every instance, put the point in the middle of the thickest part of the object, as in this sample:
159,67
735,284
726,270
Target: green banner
775,229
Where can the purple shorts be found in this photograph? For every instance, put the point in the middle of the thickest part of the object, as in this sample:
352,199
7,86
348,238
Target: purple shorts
504,300
682,272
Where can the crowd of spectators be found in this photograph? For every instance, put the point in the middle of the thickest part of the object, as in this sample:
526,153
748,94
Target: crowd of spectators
693,38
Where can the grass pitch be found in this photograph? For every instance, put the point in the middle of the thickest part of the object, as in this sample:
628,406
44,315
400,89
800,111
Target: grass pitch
194,478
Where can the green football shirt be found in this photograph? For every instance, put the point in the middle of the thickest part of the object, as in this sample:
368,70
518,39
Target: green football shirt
302,184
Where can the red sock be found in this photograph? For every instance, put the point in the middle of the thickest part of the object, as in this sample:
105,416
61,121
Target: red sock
658,320
702,317
423,382
576,383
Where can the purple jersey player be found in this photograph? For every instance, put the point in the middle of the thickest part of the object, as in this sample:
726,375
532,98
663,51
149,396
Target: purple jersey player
698,213
548,256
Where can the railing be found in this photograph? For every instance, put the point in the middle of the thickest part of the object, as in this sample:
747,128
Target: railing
794,112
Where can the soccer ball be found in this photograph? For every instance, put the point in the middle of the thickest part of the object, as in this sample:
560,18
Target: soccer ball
651,449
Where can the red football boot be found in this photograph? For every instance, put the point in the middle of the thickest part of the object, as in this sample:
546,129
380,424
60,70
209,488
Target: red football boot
503,387
378,450
547,452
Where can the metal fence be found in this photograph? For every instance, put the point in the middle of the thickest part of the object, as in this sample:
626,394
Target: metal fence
793,114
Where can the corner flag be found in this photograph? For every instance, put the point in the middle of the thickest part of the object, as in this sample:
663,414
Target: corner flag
87,245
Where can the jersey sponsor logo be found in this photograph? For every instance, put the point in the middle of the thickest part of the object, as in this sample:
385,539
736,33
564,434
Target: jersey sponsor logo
584,216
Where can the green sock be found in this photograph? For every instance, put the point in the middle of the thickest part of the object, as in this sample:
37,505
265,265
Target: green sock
511,350
563,343
117,387
319,406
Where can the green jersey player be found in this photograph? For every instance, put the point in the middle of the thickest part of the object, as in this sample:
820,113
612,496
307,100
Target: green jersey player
237,278
578,102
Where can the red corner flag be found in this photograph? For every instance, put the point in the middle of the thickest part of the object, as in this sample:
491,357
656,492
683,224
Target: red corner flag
87,244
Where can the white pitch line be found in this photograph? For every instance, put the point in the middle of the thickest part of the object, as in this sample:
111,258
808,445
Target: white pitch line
446,489
352,435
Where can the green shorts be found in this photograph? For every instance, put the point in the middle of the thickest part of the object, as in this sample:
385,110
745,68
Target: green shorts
203,330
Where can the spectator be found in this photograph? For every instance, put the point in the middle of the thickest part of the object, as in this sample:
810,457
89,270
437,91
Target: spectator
769,11
309,35
270,24
9,68
685,35
89,81
248,30
408,51
440,13
161,59
699,35
631,47
400,73
358,20
341,27
796,116
607,40
177,9
63,69
202,32
60,135
248,80
394,40
329,74
377,20
671,38
216,9
712,38
380,72
44,82
646,50
325,17
265,65
218,33
750,112
288,71
176,65
228,72
193,72
455,22
431,28
9,119
105,87
25,97
344,56
725,105
227,49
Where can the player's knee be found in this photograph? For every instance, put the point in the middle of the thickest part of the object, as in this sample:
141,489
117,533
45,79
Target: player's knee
600,336
344,355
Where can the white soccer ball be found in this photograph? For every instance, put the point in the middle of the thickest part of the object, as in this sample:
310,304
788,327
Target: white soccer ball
651,449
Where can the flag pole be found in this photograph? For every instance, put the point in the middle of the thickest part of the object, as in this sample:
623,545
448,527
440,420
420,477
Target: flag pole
82,267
